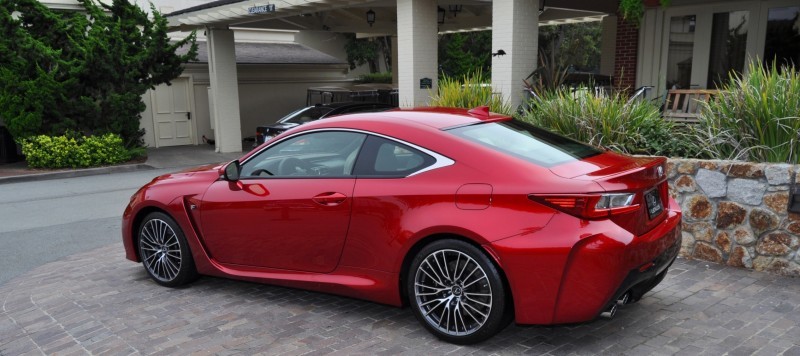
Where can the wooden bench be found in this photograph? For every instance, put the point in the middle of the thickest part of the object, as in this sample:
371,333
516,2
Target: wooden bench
684,104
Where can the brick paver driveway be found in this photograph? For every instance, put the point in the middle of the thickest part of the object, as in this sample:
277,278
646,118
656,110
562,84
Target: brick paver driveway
97,302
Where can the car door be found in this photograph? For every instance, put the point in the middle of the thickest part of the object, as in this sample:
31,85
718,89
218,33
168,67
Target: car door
290,209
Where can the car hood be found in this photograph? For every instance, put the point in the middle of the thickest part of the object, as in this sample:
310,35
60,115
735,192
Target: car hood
209,172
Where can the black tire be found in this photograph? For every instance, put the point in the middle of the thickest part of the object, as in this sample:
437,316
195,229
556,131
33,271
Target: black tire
164,252
457,293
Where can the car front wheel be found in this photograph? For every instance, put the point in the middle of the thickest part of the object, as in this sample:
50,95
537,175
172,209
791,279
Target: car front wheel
457,293
163,250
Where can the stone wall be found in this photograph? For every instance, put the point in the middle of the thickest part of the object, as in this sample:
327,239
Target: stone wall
736,213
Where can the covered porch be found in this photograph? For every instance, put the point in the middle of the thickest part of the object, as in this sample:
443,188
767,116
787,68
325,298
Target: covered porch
689,45
414,26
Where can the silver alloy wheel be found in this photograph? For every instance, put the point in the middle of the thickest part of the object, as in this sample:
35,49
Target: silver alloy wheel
453,292
161,250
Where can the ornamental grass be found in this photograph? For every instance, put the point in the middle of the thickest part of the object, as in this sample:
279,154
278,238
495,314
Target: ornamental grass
755,117
468,92
609,121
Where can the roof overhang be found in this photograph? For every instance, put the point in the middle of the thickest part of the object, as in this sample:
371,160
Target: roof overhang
350,15
241,13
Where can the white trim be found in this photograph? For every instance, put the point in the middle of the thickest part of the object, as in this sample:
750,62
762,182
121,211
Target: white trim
192,108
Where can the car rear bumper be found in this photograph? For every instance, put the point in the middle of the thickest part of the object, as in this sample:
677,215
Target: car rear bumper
578,280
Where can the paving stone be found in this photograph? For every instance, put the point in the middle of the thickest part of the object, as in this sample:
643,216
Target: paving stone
97,302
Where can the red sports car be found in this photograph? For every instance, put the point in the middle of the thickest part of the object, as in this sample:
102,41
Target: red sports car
472,219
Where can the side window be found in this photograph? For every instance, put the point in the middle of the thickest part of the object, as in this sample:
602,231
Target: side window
317,154
386,158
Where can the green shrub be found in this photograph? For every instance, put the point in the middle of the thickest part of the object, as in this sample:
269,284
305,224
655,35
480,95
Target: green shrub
755,117
74,151
469,92
610,122
383,78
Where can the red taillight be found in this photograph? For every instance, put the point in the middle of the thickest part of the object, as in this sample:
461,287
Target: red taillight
589,206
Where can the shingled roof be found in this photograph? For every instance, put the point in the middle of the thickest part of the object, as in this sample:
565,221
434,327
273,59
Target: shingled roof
270,53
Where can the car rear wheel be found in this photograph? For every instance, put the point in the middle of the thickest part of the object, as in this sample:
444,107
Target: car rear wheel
165,255
457,293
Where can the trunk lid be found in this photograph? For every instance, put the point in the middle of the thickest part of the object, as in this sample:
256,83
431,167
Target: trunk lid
644,176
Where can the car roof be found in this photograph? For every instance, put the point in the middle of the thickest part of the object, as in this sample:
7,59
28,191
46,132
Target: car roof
438,117
404,122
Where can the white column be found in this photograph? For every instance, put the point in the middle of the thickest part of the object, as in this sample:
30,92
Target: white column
515,30
395,61
417,43
608,44
225,89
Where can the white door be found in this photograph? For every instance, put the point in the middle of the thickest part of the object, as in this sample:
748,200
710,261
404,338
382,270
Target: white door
172,114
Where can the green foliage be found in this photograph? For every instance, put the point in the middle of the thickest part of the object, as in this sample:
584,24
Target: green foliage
755,117
362,51
547,77
82,71
562,49
462,53
575,46
384,78
74,151
633,10
468,92
610,122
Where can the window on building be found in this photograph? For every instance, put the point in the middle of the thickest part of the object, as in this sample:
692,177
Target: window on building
681,50
728,46
782,42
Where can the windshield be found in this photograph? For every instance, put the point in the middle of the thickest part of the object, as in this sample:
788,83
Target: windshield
526,141
305,115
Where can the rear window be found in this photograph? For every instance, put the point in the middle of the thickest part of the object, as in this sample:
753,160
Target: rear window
523,140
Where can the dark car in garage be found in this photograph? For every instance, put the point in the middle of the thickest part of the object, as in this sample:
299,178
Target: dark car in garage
316,112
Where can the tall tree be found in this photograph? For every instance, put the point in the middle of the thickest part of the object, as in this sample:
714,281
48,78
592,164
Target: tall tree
85,72
461,54
362,51
572,45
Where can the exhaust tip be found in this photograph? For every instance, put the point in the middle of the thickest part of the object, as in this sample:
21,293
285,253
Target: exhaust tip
610,312
624,299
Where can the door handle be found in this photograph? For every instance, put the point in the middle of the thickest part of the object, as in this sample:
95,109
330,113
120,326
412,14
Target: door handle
188,115
329,199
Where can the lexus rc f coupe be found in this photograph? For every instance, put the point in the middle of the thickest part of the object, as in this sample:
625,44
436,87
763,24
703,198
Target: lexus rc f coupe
470,218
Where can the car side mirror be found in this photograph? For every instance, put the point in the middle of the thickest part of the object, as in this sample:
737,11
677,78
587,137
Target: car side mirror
231,171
